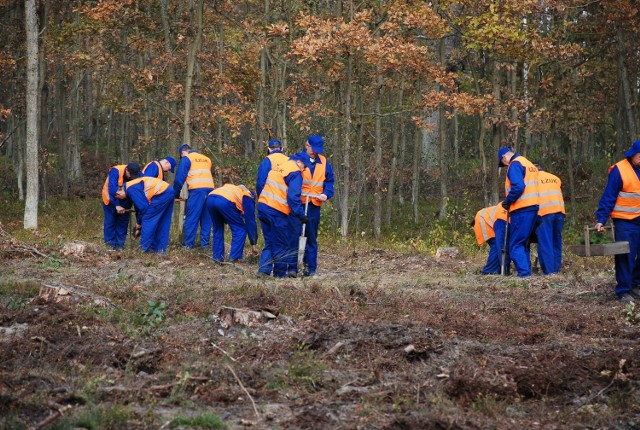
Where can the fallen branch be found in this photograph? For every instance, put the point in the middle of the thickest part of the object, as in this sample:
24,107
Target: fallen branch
223,351
18,245
245,390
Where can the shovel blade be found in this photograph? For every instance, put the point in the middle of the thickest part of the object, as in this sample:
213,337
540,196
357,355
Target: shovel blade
302,244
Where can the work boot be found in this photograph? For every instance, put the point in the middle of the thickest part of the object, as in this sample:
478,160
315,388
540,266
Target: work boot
635,292
292,274
626,298
263,275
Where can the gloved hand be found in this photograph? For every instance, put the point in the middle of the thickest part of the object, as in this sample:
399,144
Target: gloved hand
506,205
137,232
304,219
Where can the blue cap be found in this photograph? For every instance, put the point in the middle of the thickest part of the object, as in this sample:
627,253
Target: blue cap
302,156
184,147
171,161
275,143
317,143
134,170
501,152
635,148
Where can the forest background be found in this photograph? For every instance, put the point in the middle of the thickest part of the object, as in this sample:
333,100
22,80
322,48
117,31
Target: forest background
413,98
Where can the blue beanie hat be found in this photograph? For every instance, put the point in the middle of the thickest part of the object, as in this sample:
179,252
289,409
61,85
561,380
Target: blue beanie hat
134,170
302,156
635,148
171,161
184,147
501,153
317,143
275,143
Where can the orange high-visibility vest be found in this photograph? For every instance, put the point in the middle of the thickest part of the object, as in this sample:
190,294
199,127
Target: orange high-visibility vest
274,193
484,221
315,184
233,193
277,159
199,175
551,200
628,201
530,195
152,186
105,187
160,171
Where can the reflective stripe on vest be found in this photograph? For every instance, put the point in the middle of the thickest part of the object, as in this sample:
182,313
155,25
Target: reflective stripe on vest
160,174
315,184
233,193
530,196
152,186
551,200
105,187
277,159
199,175
628,202
485,220
274,193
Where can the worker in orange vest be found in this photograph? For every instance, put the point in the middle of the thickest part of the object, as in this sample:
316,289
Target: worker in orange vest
116,217
157,168
153,199
317,188
234,205
195,170
490,227
281,215
621,201
551,222
522,203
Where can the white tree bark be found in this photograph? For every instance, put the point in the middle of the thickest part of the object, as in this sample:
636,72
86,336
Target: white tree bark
33,116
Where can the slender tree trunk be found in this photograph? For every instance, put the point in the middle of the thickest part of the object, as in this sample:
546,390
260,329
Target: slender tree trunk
628,97
444,167
33,116
377,194
171,77
191,61
415,177
346,161
391,189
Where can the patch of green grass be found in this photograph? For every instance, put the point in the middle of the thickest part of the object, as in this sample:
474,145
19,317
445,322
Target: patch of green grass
205,420
305,369
17,293
94,418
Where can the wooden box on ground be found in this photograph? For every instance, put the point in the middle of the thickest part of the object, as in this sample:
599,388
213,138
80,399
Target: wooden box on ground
593,249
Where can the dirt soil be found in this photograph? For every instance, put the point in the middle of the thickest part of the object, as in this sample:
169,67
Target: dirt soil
377,341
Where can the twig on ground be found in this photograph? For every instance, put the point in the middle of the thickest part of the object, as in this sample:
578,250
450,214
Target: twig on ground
245,390
223,351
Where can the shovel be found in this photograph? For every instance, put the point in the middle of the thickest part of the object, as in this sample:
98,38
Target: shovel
302,240
503,266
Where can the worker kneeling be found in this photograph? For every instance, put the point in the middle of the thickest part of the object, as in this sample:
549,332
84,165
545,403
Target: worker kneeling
233,205
153,200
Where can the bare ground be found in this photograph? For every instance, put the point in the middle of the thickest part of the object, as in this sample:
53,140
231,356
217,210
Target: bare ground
379,341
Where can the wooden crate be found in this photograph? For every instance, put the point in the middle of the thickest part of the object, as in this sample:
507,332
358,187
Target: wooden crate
593,249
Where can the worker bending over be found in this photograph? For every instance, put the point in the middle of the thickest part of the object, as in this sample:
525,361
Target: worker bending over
233,205
153,199
116,215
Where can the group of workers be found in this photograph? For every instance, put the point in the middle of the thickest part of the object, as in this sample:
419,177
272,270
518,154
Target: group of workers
289,191
533,210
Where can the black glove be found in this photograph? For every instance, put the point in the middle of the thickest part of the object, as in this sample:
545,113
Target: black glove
506,205
304,219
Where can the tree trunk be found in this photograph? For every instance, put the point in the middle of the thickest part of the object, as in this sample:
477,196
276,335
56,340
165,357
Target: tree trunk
191,61
626,88
168,47
33,116
394,155
415,178
377,194
346,162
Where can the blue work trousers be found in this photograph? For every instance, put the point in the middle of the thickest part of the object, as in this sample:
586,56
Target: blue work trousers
549,233
278,232
521,225
627,265
115,226
223,211
311,232
196,214
156,223
494,260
